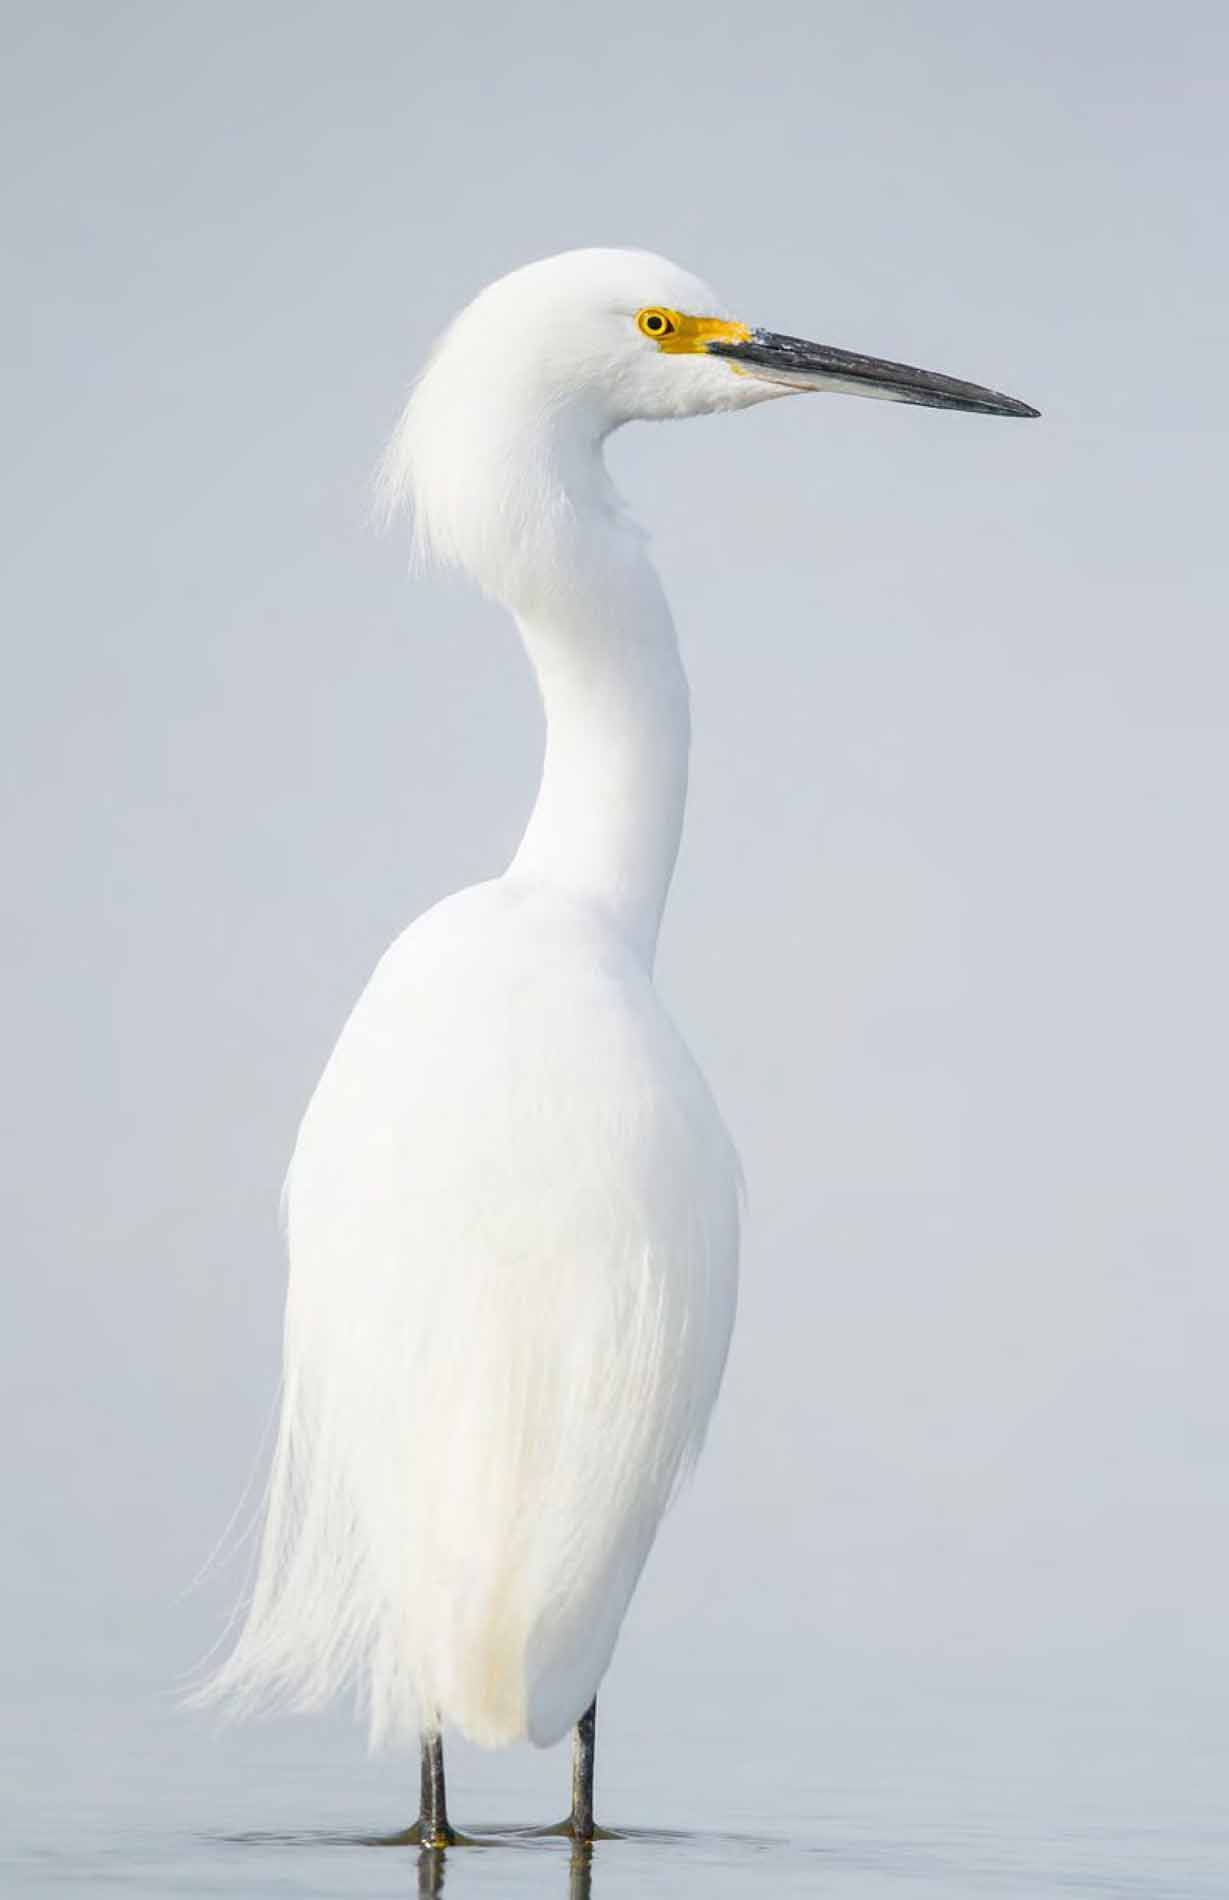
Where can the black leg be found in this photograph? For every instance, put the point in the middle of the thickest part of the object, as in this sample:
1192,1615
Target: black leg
582,1774
433,1828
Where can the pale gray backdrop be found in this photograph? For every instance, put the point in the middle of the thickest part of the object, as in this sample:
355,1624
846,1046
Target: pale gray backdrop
949,932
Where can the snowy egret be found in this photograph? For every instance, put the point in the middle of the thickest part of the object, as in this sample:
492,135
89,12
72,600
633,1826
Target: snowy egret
512,1210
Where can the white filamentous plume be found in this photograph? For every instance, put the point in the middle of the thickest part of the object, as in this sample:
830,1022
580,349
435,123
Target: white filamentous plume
512,1211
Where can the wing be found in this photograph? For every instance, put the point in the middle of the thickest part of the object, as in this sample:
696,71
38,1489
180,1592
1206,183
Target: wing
512,1219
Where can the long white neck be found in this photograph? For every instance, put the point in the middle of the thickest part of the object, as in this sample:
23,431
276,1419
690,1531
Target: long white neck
511,484
609,810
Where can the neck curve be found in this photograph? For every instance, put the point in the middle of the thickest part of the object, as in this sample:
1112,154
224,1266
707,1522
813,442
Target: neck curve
609,811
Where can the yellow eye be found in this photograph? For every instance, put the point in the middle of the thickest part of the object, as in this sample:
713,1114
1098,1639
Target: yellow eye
656,323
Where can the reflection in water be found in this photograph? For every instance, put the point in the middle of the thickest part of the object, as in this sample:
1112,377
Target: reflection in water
431,1869
580,1871
430,1872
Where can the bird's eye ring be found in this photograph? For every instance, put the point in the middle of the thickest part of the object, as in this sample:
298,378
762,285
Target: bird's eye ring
656,324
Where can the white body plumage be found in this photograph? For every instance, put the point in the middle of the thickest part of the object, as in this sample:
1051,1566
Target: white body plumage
513,1209
512,1217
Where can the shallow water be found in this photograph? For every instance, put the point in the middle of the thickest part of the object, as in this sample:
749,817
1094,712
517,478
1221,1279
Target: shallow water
914,1795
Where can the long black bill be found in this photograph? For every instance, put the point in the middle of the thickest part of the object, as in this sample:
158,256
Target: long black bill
799,365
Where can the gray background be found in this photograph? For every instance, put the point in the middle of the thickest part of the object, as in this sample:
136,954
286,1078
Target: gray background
949,931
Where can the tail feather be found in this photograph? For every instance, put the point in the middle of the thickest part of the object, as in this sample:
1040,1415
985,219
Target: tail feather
480,1577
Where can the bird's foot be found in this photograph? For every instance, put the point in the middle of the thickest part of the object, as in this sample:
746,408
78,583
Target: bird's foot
435,1838
569,1831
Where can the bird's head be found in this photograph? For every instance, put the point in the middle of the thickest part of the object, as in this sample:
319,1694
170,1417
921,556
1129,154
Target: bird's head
547,361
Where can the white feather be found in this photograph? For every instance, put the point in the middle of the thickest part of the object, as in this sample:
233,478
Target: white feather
512,1286
512,1211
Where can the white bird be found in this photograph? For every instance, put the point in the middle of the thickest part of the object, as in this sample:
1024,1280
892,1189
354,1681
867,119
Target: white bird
513,1208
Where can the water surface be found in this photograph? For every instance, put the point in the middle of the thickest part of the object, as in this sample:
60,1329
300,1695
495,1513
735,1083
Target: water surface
921,1796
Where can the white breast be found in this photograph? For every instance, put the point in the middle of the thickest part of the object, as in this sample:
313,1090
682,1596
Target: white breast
513,1228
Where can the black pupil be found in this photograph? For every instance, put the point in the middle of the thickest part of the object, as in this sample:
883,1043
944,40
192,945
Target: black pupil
656,323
